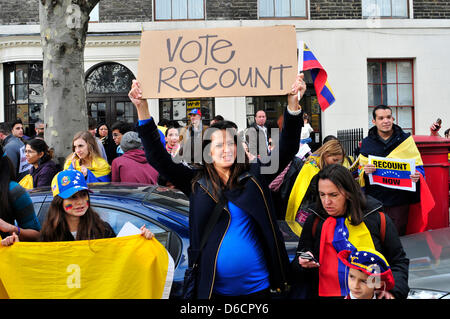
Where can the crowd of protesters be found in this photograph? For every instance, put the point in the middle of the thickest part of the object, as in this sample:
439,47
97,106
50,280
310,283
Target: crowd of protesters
220,169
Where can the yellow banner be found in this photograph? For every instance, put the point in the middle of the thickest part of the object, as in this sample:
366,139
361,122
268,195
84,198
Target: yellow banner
392,165
308,171
130,267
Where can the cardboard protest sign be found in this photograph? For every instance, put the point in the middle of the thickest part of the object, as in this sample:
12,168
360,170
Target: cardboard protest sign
393,173
242,61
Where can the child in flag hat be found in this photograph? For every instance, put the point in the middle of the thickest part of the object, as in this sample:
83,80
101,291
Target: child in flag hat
368,273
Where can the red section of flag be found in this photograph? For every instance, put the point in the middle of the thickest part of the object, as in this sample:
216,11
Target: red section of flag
391,181
418,213
328,279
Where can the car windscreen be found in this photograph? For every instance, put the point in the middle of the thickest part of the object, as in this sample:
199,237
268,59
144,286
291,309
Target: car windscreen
290,238
429,258
170,198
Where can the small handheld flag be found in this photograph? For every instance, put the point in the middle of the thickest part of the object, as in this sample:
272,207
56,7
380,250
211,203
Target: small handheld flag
307,61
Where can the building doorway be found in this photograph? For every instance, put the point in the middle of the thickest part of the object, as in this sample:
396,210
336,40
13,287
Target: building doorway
107,87
274,107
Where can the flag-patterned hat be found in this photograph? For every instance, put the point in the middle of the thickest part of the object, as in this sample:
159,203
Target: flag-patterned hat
370,262
68,182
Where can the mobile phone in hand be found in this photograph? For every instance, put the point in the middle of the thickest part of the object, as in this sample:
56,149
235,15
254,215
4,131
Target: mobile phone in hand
307,256
438,124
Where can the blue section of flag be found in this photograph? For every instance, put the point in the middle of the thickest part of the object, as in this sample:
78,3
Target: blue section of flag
341,242
319,76
91,178
421,170
308,56
392,173
326,93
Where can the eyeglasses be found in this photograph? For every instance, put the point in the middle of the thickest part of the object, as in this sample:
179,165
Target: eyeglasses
116,134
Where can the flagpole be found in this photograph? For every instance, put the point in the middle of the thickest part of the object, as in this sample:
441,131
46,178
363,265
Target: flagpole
300,48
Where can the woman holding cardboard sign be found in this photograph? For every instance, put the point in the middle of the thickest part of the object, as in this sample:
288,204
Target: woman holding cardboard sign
244,253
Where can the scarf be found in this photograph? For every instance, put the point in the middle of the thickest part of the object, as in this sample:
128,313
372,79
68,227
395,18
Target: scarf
308,171
99,171
338,234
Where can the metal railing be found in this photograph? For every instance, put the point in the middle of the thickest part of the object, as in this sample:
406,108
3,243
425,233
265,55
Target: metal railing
350,140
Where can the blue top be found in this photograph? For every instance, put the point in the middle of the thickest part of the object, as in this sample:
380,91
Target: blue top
22,208
241,267
162,137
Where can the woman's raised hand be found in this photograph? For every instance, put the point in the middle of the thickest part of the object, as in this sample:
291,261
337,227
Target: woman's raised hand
135,95
299,86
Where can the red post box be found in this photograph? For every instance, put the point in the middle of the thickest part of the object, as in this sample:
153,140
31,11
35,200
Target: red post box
434,151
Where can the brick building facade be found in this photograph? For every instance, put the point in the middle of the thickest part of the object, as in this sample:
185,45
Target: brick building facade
27,11
338,31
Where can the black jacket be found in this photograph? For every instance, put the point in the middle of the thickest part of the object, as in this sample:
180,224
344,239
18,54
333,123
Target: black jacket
373,145
253,196
43,175
258,141
391,248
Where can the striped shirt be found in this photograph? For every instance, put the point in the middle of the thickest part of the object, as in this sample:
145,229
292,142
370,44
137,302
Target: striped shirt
22,209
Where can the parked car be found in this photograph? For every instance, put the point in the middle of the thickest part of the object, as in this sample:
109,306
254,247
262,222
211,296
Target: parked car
163,210
429,265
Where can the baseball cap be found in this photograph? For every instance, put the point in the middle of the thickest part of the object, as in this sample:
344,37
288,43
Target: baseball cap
68,182
196,111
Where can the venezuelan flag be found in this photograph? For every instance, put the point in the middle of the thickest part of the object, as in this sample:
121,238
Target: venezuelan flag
130,267
308,171
98,172
418,213
339,234
399,177
307,61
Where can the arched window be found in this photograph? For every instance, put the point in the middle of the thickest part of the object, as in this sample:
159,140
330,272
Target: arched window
107,87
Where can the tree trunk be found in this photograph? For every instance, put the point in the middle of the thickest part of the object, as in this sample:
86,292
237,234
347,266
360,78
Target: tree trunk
64,26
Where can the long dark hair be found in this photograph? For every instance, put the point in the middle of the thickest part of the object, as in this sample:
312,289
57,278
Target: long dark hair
39,146
343,179
56,228
240,165
7,174
108,136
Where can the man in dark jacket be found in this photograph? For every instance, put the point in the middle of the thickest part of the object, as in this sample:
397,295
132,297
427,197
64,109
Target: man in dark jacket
382,139
191,138
15,150
258,137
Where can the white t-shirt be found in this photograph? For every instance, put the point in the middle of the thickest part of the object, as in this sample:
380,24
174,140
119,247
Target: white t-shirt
306,130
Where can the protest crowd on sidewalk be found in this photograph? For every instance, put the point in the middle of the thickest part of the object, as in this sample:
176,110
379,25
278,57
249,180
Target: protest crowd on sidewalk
348,213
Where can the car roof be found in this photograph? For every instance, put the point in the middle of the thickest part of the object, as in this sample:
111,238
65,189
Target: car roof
148,194
429,255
